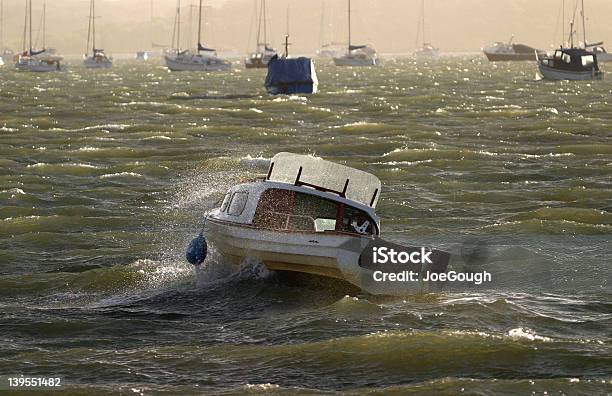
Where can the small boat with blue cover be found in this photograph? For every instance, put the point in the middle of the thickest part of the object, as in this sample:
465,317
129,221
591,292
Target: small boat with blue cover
291,75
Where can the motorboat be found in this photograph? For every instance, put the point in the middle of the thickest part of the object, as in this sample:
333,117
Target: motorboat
308,216
291,75
264,52
203,59
356,55
98,58
573,63
503,52
570,64
426,50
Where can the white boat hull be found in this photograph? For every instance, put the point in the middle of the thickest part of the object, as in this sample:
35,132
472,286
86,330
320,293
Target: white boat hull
207,65
549,73
37,67
290,251
332,255
355,61
98,64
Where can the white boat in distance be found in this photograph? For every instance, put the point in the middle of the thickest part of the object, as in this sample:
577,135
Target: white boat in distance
573,63
504,52
356,55
425,50
98,59
205,59
309,216
263,52
31,60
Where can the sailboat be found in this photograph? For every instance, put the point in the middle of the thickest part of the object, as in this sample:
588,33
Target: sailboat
264,52
98,59
573,62
328,48
30,59
426,50
205,59
356,55
48,54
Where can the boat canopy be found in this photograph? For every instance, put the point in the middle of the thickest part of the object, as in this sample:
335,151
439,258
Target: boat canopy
356,47
310,171
289,76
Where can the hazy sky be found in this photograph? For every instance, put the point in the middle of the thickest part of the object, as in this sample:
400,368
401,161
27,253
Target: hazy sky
388,25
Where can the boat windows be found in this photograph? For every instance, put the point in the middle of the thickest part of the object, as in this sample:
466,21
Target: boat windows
295,211
239,200
588,60
558,54
226,201
566,58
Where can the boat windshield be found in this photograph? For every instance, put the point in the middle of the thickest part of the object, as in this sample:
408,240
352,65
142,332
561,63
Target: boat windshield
323,175
295,211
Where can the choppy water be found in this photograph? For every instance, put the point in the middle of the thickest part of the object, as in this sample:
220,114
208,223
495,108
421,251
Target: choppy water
105,176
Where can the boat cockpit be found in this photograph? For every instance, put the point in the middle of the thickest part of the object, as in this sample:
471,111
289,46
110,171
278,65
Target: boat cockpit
311,203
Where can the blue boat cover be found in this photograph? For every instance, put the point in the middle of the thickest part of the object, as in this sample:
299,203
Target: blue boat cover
294,75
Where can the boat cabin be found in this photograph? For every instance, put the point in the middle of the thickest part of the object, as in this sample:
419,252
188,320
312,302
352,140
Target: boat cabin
572,59
305,194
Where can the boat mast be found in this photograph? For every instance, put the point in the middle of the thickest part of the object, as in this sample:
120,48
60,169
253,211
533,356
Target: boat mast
178,27
265,24
88,32
30,16
25,26
423,22
259,13
583,26
44,26
349,25
93,25
199,26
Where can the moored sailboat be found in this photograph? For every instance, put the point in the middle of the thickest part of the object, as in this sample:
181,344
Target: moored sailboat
263,52
204,59
34,60
356,55
573,63
98,58
426,49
